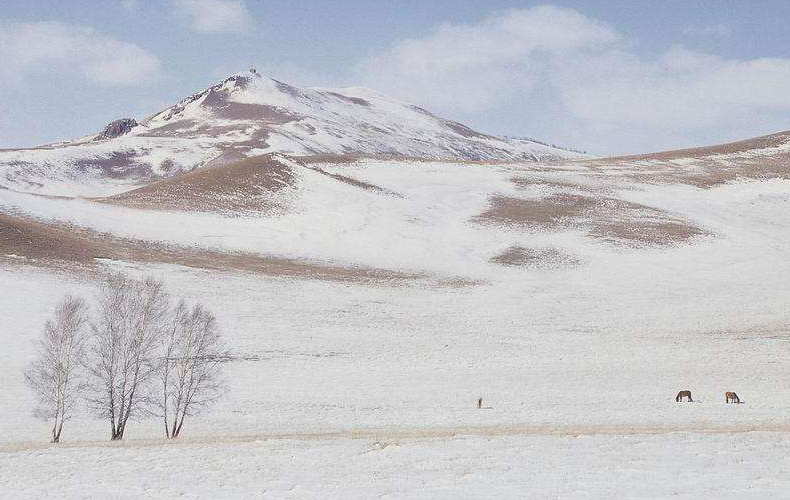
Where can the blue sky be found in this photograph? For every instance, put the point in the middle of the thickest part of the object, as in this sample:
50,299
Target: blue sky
606,76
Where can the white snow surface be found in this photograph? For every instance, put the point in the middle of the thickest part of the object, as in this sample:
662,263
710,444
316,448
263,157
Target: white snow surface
368,390
646,466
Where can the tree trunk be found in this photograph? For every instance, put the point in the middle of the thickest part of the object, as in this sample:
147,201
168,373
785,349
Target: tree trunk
117,432
56,435
176,427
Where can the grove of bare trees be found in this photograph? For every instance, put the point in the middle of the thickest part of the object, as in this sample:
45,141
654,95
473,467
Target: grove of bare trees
134,353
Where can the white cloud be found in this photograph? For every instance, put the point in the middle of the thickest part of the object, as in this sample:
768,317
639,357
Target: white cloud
683,90
598,92
130,5
471,67
63,48
214,16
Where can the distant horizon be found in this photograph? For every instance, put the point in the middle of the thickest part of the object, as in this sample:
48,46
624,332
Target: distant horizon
615,79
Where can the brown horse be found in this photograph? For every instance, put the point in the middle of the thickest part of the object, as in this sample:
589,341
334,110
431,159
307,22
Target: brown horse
683,394
731,397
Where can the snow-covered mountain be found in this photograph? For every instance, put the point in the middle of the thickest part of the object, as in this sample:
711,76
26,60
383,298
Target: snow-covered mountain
250,114
369,302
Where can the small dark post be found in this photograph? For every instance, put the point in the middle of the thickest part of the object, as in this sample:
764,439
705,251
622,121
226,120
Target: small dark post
479,403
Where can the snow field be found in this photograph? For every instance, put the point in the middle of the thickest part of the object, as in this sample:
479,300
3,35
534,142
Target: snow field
331,356
675,465
388,376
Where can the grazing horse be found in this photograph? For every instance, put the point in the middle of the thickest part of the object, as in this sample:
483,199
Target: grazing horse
683,394
731,397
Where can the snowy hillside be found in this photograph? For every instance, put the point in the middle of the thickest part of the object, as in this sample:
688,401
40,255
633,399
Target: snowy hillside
368,303
371,302
247,115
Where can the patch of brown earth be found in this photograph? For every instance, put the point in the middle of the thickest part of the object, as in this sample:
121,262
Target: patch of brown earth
118,165
352,157
773,167
357,183
528,182
219,103
329,158
28,238
178,128
459,282
205,130
61,245
463,130
645,232
288,89
609,219
539,258
552,211
354,100
245,185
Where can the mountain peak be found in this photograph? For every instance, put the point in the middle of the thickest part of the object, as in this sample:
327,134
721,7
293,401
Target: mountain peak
248,114
268,115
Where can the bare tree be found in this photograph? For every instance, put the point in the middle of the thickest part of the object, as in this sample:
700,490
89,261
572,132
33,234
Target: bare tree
55,376
190,373
131,320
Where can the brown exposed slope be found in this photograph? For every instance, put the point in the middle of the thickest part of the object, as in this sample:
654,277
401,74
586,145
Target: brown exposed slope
245,185
60,245
605,218
744,146
762,157
25,237
249,185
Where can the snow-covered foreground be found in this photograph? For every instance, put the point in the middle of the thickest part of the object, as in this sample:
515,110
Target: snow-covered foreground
383,382
677,465
329,356
355,390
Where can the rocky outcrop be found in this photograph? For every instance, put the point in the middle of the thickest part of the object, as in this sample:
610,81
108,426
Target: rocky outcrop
117,128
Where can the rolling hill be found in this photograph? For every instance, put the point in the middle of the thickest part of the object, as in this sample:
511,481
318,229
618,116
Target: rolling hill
376,269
